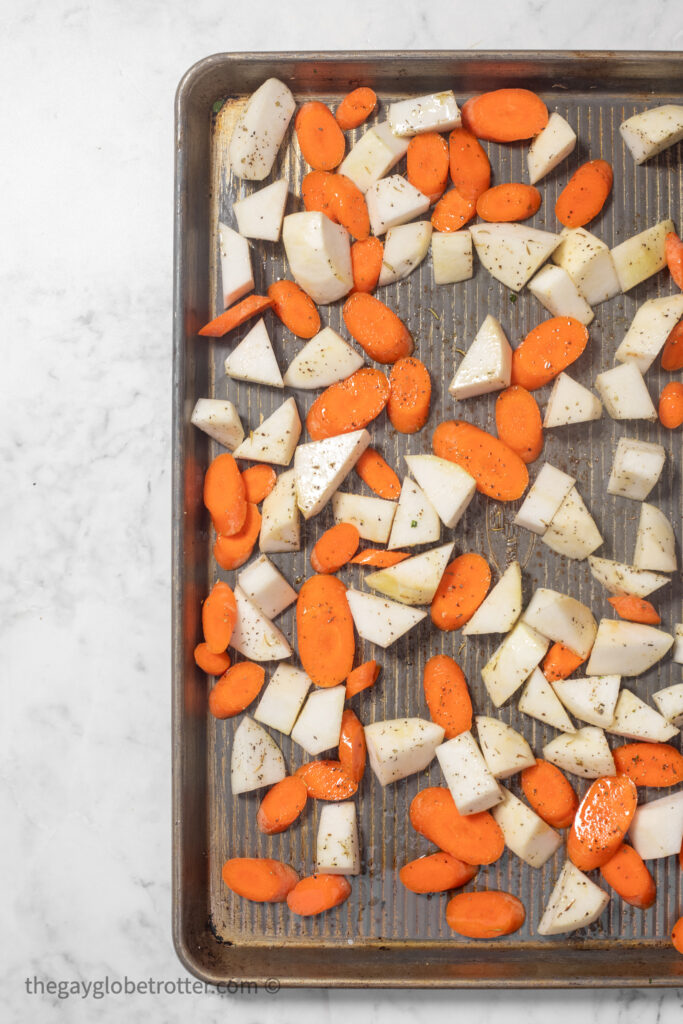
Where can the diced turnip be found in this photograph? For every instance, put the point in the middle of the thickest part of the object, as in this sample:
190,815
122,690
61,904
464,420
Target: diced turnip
555,290
677,652
545,496
318,726
636,468
657,827
619,578
550,147
512,253
636,720
641,255
372,516
415,580
505,750
472,786
625,393
592,699
452,256
585,753
321,466
254,635
260,214
563,619
401,747
337,850
280,529
405,247
283,698
220,420
539,700
373,156
649,329
513,662
669,701
260,130
437,112
525,833
575,902
501,608
266,587
380,620
652,131
589,263
319,255
487,364
655,541
256,760
392,201
416,520
573,531
323,360
626,648
569,403
254,360
275,439
236,274
448,487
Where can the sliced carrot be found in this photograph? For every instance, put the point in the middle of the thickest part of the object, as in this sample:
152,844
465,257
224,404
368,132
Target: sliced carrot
427,164
411,392
677,936
259,481
327,780
447,695
324,629
475,838
547,350
627,874
348,206
259,879
378,474
212,664
235,316
219,615
462,588
453,211
635,609
362,678
295,308
436,872
550,793
601,822
335,548
320,138
485,915
314,194
352,749
317,893
498,471
366,264
469,164
560,662
671,405
236,689
355,108
585,194
225,495
349,404
379,559
511,201
376,328
233,551
282,805
505,115
673,248
649,764
672,353
518,422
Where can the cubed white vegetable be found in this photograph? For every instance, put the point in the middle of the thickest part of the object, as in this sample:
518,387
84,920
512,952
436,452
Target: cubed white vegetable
625,393
525,833
545,496
513,662
575,902
256,760
260,214
266,587
321,466
452,256
655,541
573,531
472,786
649,329
372,516
448,487
254,360
283,698
236,274
393,201
415,580
555,290
585,753
401,747
550,147
636,468
588,261
505,750
318,726
416,520
677,653
636,720
619,578
405,247
280,529
319,255
652,131
641,255
275,439
569,403
501,607
437,112
539,700
563,619
626,648
380,620
220,420
259,132
487,364
657,827
592,699
512,253
337,849
323,360
669,701
254,635
373,156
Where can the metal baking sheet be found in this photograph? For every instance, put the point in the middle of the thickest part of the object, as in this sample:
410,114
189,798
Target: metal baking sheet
384,935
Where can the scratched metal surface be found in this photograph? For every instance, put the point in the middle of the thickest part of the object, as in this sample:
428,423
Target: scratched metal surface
211,825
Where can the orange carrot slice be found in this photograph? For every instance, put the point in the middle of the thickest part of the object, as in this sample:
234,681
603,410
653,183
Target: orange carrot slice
649,764
673,248
349,404
327,780
628,876
361,678
379,559
447,695
519,423
355,108
437,872
232,551
635,609
324,630
259,481
511,201
485,915
469,165
235,316
671,405
366,264
672,353
294,308
427,164
376,328
677,936
547,350
259,879
335,548
498,471
282,805
453,211
411,391
560,662
320,138
225,495
378,474
475,838
318,893
352,749
601,822
585,194
212,664
236,689
505,115
348,206
462,588
550,794
314,194
219,615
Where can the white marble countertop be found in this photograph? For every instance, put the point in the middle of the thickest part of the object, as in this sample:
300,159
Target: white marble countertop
85,271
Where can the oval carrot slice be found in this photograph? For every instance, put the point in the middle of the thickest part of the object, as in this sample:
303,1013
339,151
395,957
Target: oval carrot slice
235,316
673,248
436,872
505,115
335,548
318,893
355,108
327,780
635,609
475,838
324,629
410,395
348,206
349,404
677,936
519,423
498,471
352,748
671,405
225,495
236,689
320,138
282,805
219,615
485,915
259,879
447,695
361,678
378,474
560,662
672,353
649,764
462,588
379,559
585,194
550,793
212,664
376,328
314,194
601,822
233,551
427,164
294,308
453,211
259,481
628,876
366,264
547,350
469,164
511,201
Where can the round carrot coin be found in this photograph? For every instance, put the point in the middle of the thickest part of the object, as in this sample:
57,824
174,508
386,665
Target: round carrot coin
320,138
282,805
677,936
499,472
324,629
349,404
295,308
511,201
655,765
410,395
318,893
236,689
436,872
627,874
259,879
462,589
671,405
335,548
485,915
550,794
355,108
518,422
327,780
212,664
601,822
447,695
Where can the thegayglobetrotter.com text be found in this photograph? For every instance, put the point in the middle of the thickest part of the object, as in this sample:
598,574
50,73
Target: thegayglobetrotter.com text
108,988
